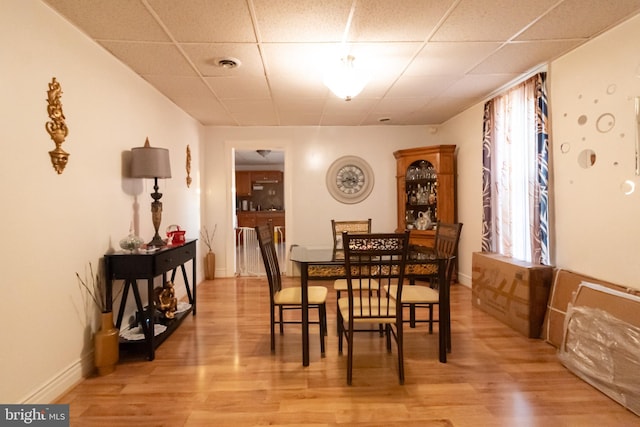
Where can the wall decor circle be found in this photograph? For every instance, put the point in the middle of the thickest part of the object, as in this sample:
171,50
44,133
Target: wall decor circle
350,179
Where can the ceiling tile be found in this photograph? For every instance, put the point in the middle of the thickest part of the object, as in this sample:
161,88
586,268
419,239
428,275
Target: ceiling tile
301,20
522,57
450,58
475,87
151,58
342,119
431,86
301,106
111,20
239,87
407,20
393,106
496,20
255,115
435,113
575,19
206,20
299,119
178,88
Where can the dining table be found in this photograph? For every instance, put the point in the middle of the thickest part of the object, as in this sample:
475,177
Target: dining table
322,263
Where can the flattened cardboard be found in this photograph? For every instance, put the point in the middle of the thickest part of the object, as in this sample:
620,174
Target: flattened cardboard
565,284
622,305
602,348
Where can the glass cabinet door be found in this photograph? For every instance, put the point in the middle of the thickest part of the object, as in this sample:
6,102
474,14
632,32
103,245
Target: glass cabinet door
421,186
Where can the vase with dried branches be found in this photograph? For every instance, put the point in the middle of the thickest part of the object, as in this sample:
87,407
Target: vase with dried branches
210,257
106,340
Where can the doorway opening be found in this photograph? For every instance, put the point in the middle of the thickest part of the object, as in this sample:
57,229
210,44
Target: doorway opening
259,200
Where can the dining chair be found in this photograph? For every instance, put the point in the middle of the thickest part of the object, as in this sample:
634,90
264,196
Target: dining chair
354,226
419,296
373,261
361,226
288,298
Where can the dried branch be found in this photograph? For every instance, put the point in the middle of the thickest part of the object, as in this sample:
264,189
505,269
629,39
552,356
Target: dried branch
97,289
207,237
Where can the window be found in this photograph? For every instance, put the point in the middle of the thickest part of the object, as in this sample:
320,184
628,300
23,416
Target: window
516,174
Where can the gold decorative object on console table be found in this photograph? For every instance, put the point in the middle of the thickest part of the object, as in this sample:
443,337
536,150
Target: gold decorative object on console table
165,300
56,128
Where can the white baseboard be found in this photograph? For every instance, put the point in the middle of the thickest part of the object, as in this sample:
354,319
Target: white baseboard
53,389
464,279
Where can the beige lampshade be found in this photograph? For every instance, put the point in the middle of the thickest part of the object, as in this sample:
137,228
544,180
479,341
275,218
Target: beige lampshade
150,162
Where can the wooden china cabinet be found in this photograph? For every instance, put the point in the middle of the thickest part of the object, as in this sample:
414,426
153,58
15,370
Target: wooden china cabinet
426,187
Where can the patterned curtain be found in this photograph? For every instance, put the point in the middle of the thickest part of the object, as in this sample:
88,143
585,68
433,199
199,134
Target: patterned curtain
515,173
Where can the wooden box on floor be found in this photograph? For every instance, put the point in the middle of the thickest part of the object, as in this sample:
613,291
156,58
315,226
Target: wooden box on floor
513,291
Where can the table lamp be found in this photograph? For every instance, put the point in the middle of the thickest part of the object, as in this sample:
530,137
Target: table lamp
152,162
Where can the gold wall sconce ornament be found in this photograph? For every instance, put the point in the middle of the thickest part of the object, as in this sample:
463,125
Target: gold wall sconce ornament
56,128
188,166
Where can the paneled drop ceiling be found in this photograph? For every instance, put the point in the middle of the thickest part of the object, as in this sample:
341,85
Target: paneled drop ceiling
429,59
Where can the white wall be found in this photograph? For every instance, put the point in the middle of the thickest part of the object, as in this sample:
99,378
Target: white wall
596,227
55,225
591,95
465,130
309,151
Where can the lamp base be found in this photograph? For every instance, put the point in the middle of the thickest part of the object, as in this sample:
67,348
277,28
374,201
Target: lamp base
157,241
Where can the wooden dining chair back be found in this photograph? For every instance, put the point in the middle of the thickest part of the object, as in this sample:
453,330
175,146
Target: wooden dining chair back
361,226
418,296
354,227
447,238
288,298
373,261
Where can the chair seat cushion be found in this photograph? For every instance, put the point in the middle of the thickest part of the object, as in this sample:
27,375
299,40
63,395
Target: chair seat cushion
341,284
367,309
416,294
293,295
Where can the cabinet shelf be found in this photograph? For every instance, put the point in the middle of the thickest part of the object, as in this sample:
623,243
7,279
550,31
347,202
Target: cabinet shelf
420,205
421,181
136,346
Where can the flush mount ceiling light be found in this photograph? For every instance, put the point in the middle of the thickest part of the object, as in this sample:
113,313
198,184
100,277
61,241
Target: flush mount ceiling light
263,153
345,80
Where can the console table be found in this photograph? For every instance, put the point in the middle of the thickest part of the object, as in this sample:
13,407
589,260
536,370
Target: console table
133,266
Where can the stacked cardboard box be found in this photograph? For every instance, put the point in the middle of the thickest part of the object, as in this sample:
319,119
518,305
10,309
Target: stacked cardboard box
513,291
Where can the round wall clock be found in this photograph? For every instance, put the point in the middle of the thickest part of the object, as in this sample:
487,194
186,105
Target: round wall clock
350,179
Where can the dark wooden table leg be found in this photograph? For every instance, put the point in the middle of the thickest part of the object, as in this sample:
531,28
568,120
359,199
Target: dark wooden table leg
123,303
443,308
304,279
193,285
152,321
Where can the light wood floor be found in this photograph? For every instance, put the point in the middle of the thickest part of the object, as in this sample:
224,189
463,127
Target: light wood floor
217,370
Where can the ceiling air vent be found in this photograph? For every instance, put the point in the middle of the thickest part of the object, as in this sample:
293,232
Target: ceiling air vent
228,63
